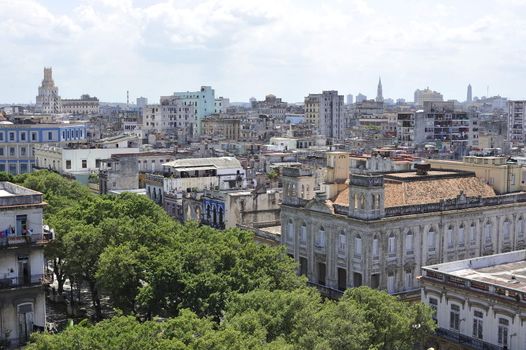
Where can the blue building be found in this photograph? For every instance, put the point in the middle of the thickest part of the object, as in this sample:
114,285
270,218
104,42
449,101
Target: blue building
17,141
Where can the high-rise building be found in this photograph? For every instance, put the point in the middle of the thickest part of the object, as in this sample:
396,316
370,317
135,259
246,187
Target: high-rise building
48,100
360,98
427,95
469,96
516,120
141,102
350,99
379,93
325,112
202,101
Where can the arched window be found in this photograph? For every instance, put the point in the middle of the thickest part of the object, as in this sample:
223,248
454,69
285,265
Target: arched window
391,244
520,227
506,228
358,245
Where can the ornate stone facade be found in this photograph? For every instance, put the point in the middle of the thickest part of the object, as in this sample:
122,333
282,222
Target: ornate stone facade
364,243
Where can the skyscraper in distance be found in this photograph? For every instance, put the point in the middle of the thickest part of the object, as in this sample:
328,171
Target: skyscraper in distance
470,96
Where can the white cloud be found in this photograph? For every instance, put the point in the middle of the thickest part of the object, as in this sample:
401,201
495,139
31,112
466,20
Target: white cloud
249,47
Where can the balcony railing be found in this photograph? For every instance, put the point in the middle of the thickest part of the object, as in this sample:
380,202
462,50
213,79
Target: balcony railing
19,282
466,341
20,240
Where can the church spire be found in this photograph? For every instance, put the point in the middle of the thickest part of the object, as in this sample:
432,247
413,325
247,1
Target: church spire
379,94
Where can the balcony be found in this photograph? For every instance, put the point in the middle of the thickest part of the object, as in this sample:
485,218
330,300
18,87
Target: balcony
466,341
23,282
25,240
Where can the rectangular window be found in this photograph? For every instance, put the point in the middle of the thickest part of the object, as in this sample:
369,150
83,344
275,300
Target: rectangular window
24,168
454,317
503,331
84,163
477,324
68,164
33,136
409,244
1,136
22,136
12,169
23,151
342,244
1,151
12,151
303,234
358,246
433,304
49,136
408,280
11,136
391,283
2,167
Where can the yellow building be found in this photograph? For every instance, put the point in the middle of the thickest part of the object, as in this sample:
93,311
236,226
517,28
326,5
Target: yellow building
503,176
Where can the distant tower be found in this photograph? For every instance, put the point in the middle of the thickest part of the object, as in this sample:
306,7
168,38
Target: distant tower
48,101
127,98
350,99
470,96
379,95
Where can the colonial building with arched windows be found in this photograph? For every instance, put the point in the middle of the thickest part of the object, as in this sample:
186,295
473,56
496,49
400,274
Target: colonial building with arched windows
380,229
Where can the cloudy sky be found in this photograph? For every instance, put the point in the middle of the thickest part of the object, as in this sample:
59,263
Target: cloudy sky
247,48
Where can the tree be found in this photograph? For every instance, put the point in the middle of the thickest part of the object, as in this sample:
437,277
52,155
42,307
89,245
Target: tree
121,272
83,246
396,325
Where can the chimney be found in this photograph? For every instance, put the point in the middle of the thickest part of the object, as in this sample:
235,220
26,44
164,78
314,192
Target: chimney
422,168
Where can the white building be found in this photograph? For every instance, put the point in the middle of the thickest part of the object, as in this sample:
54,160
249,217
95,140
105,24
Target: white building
151,118
479,303
22,242
516,121
82,160
141,102
221,104
427,95
48,100
203,102
85,105
325,112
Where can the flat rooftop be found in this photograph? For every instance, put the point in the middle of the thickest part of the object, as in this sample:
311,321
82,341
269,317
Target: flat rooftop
14,195
507,270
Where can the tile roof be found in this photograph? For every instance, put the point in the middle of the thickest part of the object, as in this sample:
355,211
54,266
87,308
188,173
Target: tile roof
426,191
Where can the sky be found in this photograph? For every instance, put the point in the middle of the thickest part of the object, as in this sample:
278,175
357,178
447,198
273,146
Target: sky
246,48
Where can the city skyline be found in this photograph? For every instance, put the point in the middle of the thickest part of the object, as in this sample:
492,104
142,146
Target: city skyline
245,49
